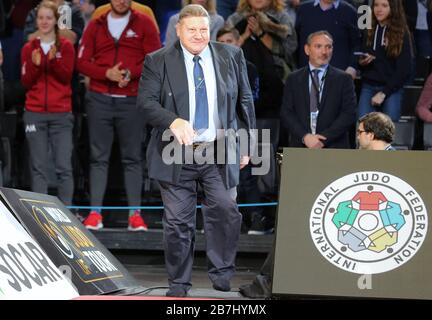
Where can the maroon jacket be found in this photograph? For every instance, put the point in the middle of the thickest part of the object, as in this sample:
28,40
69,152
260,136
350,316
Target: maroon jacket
98,52
49,84
424,104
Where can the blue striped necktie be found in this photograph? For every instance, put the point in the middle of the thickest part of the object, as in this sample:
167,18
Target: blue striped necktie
201,102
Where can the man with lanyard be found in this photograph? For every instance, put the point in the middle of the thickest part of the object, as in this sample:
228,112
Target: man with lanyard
319,102
316,84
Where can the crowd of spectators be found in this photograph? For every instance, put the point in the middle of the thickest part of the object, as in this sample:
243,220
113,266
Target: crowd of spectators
272,33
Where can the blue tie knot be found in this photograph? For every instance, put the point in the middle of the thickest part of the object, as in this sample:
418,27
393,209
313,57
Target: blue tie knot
196,59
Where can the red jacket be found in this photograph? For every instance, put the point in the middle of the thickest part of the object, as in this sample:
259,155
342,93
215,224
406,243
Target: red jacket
49,84
98,52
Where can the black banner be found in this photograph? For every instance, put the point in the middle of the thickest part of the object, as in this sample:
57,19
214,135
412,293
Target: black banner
93,269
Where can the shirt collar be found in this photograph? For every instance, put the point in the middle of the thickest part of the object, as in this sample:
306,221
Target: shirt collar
205,54
389,147
335,4
322,68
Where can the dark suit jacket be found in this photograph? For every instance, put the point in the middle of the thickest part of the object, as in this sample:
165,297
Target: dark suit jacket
337,111
164,96
411,11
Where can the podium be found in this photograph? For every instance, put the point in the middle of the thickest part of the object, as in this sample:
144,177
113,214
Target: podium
354,223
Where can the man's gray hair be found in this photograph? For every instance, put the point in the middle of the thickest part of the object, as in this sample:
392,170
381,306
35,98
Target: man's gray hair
193,10
318,33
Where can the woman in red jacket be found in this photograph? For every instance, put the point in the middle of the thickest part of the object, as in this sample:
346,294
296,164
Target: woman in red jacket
47,66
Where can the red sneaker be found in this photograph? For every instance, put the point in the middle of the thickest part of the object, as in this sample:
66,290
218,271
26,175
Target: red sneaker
93,221
136,222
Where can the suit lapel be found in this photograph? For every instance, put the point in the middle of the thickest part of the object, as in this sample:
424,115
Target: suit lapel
221,71
328,80
305,86
176,71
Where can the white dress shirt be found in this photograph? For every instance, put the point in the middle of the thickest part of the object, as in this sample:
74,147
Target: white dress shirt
206,62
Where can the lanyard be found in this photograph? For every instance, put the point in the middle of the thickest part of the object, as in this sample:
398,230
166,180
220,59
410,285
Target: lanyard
319,87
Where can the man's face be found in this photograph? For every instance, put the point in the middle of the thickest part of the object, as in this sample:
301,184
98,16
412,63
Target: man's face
320,50
194,33
364,138
229,39
120,7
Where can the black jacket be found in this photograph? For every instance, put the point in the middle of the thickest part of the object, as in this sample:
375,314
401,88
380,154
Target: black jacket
164,96
337,109
391,73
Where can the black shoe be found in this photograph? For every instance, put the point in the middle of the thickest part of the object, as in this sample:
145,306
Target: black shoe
258,289
260,226
251,291
176,292
222,285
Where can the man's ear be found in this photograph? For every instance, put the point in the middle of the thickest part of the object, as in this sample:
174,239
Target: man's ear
306,49
177,28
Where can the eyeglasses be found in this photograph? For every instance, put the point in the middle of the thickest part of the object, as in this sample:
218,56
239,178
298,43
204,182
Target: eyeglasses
360,131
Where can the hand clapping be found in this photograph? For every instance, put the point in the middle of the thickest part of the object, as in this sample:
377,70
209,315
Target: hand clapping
36,57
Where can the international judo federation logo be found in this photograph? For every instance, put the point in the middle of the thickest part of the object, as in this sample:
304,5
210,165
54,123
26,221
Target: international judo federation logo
368,222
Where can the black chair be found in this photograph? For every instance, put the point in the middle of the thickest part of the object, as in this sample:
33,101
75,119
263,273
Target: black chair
405,133
7,162
427,136
8,122
409,101
268,183
273,125
422,69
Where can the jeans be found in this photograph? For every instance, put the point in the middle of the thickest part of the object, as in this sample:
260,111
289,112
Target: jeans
392,105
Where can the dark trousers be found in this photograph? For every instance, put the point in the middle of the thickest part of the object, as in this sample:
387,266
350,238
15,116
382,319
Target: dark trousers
107,115
249,193
1,92
221,220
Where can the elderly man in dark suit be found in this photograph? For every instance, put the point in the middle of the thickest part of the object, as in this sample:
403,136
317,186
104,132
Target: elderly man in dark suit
194,88
319,102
